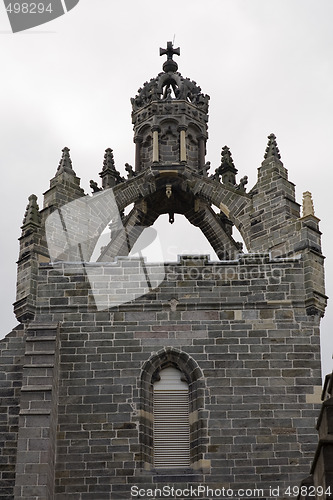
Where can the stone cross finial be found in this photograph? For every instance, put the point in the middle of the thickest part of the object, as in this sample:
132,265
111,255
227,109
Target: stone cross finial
170,65
170,51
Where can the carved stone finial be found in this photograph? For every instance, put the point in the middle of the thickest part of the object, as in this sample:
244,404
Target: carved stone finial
110,176
94,187
130,171
170,65
32,216
65,164
216,175
242,183
227,169
108,161
226,158
308,208
272,148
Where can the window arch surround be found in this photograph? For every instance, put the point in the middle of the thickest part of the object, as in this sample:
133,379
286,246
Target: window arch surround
192,374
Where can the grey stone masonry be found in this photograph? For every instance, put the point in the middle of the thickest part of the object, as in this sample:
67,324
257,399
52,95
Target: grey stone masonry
11,362
77,376
321,478
36,444
243,323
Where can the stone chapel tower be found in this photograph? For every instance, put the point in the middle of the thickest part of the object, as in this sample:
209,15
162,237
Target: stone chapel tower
125,376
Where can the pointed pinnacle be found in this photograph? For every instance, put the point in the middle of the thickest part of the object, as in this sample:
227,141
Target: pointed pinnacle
32,215
226,159
108,160
65,164
272,148
110,176
308,207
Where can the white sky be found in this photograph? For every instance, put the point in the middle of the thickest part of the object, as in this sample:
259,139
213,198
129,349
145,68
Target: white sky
267,65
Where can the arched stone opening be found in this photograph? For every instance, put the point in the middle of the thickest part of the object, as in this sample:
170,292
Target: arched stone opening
73,230
192,374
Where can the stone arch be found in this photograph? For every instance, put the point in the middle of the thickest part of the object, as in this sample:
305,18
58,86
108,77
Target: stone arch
236,205
165,80
215,230
82,221
193,375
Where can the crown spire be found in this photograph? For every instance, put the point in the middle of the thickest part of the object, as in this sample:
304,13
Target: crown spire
272,148
170,65
65,164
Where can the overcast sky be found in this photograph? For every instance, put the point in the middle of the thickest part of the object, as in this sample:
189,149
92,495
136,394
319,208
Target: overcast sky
267,66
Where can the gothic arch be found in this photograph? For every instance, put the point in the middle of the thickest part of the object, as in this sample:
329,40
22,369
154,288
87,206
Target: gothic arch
193,375
235,205
79,224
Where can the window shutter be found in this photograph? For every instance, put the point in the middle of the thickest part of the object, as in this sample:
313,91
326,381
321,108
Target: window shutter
171,420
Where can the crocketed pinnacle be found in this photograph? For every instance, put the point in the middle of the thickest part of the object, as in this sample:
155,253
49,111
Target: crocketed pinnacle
227,163
272,148
110,176
65,164
227,169
108,163
32,216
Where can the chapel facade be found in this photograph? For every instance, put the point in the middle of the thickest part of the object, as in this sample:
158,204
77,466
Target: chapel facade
125,377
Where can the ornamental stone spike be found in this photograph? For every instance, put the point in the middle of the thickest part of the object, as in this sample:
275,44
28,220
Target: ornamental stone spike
32,216
226,158
65,164
109,175
272,149
308,207
108,162
227,169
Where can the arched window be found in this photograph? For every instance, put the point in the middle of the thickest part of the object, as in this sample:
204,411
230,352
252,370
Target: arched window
172,400
171,428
